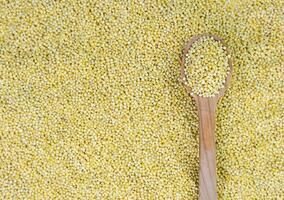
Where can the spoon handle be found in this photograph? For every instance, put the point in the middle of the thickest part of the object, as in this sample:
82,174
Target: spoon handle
207,149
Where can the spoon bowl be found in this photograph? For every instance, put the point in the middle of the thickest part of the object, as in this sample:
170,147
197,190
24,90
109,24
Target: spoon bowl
183,76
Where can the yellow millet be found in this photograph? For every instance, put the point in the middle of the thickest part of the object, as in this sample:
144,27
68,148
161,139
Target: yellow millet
206,66
91,105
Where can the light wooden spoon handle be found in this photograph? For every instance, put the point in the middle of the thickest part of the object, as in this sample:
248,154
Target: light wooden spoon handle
207,148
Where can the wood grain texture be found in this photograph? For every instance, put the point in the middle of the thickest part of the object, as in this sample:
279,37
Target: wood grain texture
207,149
207,121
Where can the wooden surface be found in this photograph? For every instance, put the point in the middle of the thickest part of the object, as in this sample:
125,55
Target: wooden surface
207,150
207,121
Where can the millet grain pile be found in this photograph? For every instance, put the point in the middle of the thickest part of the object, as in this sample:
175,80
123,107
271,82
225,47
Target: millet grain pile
206,66
91,105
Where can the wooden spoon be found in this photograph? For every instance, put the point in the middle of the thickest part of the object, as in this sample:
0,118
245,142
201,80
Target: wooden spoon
206,107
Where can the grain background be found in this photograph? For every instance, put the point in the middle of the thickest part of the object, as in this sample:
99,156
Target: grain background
91,105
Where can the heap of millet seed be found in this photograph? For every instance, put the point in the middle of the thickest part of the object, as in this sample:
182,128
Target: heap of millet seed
91,106
206,66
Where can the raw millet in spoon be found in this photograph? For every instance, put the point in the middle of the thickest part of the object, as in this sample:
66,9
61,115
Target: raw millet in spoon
206,66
